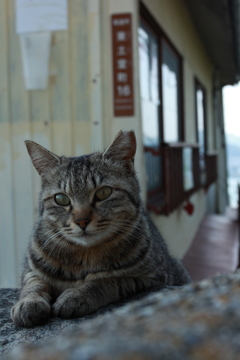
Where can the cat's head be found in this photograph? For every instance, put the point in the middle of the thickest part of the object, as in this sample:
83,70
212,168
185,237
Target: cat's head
89,199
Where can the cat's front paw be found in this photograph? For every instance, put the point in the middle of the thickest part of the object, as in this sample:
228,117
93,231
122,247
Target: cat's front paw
29,312
71,303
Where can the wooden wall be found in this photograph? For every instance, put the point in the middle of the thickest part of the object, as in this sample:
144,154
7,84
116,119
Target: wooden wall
59,118
74,114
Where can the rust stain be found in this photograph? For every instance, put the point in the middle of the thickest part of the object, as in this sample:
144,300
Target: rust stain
52,79
53,40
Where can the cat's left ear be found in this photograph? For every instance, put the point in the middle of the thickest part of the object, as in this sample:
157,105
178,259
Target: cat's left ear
123,146
43,160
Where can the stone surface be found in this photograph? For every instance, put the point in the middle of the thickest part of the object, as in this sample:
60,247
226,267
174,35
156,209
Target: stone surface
198,321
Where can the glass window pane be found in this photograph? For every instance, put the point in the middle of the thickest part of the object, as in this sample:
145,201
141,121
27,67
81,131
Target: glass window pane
149,86
150,124
200,119
170,85
144,58
154,76
200,114
149,89
153,165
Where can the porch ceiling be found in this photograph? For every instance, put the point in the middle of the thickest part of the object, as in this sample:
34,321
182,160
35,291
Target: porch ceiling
218,23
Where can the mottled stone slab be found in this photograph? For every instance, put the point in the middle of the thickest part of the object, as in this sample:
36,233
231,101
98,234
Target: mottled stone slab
198,321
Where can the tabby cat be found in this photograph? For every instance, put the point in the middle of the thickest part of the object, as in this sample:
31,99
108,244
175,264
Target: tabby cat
93,243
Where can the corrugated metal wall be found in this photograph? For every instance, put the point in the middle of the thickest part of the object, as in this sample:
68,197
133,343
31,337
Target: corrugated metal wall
57,118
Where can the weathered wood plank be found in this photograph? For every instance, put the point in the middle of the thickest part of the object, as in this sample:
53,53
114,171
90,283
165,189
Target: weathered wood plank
7,247
40,132
79,64
20,128
59,90
95,83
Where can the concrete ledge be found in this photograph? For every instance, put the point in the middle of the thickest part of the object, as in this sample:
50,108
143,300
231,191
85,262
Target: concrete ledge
198,321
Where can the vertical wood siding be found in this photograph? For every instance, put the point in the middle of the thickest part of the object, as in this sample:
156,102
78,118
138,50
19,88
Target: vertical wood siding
58,118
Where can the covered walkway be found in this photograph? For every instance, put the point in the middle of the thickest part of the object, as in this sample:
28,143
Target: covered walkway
215,248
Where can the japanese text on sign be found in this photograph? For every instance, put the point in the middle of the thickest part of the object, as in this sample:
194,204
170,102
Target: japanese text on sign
122,65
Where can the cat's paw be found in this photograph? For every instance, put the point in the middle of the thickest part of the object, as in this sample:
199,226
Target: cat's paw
29,312
71,303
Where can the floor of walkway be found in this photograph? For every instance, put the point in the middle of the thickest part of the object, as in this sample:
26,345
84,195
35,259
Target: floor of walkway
215,248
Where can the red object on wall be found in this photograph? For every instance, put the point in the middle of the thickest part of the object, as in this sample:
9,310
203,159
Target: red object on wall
189,208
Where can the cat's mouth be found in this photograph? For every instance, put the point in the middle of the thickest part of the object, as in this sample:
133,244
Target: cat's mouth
85,234
88,238
82,233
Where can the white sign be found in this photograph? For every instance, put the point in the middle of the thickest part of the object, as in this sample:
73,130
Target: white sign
35,54
40,15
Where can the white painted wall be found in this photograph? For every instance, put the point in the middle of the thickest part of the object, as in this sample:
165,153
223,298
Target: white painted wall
173,17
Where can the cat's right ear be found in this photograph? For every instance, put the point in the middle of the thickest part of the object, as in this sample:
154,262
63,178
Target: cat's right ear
43,160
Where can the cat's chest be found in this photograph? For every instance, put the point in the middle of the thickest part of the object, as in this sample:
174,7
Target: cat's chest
74,278
65,273
73,269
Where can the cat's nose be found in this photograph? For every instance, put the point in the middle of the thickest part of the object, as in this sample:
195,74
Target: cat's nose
83,223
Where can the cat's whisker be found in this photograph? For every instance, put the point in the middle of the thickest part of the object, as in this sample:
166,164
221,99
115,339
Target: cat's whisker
52,248
121,232
54,243
60,247
54,235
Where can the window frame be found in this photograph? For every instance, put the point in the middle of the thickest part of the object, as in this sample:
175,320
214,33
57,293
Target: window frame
155,196
149,21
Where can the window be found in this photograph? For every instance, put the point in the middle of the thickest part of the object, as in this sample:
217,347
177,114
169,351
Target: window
171,93
149,88
200,111
161,91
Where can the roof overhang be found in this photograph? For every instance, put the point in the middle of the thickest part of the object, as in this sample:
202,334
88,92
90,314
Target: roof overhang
218,24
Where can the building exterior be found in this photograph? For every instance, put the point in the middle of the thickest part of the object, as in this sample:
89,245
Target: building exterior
154,66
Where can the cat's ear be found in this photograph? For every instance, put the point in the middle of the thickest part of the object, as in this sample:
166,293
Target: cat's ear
43,160
123,146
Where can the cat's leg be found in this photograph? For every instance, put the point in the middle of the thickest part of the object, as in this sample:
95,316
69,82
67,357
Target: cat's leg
34,306
179,274
95,294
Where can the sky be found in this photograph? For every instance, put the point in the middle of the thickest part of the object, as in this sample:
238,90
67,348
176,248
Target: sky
231,101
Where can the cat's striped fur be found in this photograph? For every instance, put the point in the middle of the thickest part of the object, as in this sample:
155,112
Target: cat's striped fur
90,252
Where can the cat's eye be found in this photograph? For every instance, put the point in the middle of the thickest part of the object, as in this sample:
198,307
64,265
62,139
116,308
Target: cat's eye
62,199
103,193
